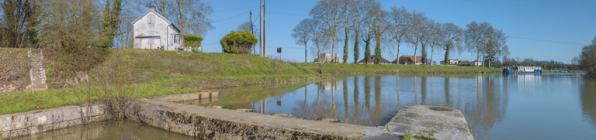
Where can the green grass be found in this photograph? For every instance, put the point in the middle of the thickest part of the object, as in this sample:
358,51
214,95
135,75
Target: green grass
393,68
26,101
237,98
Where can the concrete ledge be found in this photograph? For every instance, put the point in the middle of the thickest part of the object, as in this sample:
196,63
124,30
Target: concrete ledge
441,122
209,123
188,97
32,122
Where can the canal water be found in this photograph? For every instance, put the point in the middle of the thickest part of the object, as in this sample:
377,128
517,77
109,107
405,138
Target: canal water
111,130
548,106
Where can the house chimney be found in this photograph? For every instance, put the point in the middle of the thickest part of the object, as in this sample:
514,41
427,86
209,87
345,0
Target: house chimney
151,7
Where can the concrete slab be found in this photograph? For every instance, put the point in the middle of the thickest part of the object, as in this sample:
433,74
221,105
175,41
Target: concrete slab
441,122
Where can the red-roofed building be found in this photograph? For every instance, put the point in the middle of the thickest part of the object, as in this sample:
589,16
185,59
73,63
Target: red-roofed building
408,59
373,60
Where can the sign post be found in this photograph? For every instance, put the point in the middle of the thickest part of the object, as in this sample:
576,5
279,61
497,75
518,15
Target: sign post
279,51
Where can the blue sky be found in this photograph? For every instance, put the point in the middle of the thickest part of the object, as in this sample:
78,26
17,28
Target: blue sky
538,29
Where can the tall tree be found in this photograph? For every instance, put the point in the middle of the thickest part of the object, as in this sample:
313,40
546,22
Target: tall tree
111,22
416,31
434,37
587,59
320,39
379,26
20,21
329,12
302,34
452,39
475,38
190,16
357,14
346,19
70,24
496,46
399,17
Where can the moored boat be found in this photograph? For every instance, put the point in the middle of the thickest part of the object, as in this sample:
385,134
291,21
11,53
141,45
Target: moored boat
522,69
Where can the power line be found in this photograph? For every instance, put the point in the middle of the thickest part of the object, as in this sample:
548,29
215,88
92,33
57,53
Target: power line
545,40
231,17
231,9
287,14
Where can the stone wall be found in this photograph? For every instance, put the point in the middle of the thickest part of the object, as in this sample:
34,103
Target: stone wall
32,122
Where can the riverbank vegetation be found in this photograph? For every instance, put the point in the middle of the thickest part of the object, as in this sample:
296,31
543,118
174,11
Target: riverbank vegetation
587,59
368,22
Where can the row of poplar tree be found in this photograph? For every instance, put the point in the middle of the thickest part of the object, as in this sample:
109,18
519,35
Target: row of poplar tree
364,21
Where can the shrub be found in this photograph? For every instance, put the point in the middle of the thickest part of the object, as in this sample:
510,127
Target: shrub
192,40
239,42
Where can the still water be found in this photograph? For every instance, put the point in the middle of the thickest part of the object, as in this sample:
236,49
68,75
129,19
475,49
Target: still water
111,130
548,106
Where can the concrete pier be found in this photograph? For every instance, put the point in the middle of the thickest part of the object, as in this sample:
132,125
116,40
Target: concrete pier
439,122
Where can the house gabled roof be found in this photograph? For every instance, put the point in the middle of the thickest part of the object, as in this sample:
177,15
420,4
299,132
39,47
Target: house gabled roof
373,60
405,58
158,15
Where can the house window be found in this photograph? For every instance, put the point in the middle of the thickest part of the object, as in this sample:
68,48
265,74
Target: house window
151,19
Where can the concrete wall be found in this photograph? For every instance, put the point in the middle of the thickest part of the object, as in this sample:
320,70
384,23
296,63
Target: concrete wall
210,123
32,122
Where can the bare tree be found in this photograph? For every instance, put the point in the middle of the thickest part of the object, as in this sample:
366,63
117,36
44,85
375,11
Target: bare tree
496,46
474,38
302,34
20,21
357,16
416,32
320,39
452,39
329,13
435,37
70,24
191,16
400,18
379,26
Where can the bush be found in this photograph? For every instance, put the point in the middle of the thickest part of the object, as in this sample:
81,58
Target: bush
192,40
239,42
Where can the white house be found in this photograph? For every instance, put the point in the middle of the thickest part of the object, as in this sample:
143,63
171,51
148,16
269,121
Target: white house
152,31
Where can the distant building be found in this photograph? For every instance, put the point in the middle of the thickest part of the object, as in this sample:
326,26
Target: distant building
373,60
451,62
152,31
408,59
476,63
328,58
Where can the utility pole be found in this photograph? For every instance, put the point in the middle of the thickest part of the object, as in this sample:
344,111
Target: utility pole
264,29
261,28
250,28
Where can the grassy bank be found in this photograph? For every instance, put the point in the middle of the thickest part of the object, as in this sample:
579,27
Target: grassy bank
131,73
395,69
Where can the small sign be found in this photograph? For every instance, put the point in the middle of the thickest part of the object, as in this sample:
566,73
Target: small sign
278,50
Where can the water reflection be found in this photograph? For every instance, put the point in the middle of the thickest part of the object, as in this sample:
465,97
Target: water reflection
485,100
588,99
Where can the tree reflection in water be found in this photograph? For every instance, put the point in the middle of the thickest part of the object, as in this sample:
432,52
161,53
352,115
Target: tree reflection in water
588,99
